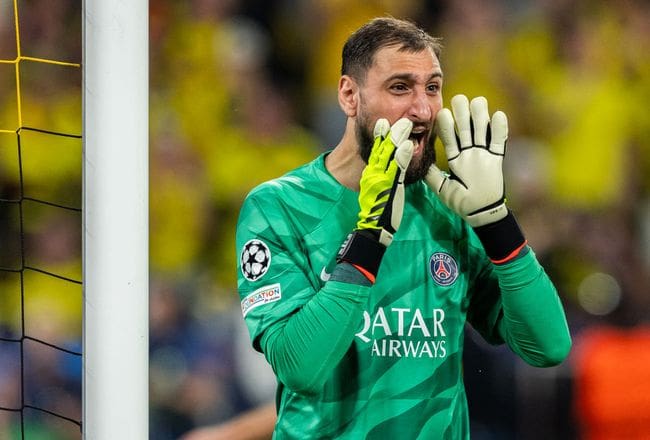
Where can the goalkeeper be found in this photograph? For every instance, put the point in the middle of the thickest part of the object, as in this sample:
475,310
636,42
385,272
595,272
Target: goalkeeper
358,271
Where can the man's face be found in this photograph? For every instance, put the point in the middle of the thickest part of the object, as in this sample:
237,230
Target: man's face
402,85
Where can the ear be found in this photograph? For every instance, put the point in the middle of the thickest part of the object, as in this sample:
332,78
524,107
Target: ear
348,95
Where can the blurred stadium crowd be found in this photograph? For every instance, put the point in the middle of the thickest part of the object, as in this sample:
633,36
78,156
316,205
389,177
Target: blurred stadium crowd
244,90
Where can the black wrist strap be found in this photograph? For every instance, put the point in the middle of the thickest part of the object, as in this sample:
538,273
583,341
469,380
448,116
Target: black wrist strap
502,240
362,248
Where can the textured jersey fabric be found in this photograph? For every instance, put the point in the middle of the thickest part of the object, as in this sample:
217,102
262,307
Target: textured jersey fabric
391,354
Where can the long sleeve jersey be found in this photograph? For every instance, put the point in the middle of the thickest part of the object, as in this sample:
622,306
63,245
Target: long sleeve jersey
383,361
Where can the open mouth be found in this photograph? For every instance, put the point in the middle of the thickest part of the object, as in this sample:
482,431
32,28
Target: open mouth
418,136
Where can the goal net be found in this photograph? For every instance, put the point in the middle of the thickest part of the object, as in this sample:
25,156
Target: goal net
40,220
73,219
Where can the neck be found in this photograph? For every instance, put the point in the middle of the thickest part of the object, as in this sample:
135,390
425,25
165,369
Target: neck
344,162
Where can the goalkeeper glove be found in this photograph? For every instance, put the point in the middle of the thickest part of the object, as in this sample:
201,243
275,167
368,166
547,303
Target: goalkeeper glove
475,147
381,197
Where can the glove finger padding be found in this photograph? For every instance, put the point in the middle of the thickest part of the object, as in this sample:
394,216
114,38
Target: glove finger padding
445,130
499,129
399,135
382,127
435,178
462,116
480,120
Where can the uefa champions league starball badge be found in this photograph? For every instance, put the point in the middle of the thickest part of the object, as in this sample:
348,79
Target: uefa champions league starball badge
255,259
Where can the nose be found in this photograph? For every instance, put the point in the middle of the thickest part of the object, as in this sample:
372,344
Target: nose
420,106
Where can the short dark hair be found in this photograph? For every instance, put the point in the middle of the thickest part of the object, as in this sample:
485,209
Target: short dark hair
360,48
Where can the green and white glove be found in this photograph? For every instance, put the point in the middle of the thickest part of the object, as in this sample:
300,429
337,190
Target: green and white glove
381,196
475,146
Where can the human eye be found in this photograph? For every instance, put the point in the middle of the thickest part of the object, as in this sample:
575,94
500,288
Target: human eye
399,87
434,87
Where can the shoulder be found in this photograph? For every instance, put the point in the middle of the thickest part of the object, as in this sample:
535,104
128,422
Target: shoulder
299,198
309,183
296,180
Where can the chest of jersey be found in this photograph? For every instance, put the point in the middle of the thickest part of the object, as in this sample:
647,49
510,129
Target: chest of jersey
417,307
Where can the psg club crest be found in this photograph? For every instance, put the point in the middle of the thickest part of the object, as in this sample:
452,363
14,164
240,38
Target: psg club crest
255,259
443,268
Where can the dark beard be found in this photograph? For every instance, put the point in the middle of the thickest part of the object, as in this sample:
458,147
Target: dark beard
416,171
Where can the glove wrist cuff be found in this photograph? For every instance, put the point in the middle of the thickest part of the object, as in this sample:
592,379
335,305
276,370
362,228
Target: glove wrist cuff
502,240
362,249
488,215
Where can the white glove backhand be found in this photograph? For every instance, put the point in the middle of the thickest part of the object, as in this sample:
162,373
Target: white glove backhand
475,147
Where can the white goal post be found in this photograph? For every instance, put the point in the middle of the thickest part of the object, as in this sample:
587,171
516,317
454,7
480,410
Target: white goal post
115,219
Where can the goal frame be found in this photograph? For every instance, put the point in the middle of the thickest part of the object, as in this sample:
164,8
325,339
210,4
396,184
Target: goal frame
115,70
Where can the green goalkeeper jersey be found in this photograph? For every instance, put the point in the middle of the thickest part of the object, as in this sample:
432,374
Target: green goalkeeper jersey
383,361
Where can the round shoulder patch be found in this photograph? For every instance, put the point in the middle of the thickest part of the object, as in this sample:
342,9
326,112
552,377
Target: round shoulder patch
255,259
443,268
